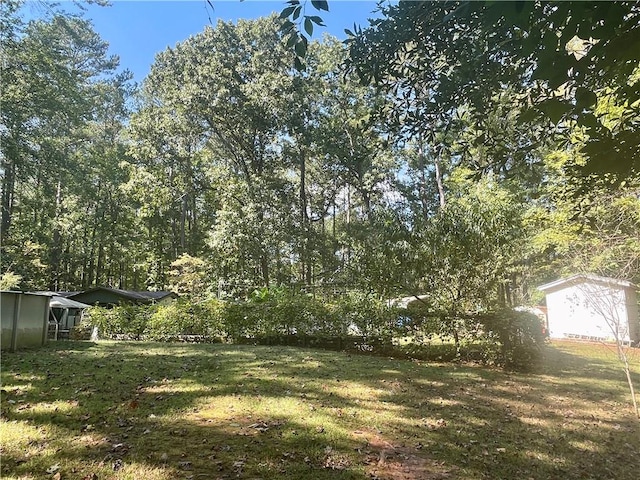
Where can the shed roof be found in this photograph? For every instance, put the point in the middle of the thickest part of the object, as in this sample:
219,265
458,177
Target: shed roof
404,302
139,297
584,278
62,302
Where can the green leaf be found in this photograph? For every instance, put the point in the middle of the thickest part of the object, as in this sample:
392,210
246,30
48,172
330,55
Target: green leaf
320,5
317,20
528,115
555,109
308,26
301,47
585,98
298,64
293,38
287,11
296,12
287,27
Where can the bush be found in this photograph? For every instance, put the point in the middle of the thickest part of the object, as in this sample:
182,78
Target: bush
121,321
181,320
519,336
369,316
82,331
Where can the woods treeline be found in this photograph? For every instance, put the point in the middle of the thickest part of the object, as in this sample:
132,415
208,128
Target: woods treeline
228,166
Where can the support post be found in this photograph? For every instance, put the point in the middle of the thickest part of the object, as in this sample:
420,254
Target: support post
16,316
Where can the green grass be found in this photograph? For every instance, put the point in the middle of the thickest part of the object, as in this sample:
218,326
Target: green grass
171,411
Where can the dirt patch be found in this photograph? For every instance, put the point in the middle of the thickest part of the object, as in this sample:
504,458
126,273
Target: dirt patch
386,461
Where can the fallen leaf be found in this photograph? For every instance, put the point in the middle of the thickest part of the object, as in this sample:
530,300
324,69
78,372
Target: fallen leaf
53,468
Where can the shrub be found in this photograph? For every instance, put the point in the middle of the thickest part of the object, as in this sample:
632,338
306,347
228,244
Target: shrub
357,321
182,319
121,321
82,331
518,336
369,316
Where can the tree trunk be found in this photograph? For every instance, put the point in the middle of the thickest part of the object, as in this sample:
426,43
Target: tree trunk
304,222
56,247
183,222
422,186
8,191
99,263
439,183
264,269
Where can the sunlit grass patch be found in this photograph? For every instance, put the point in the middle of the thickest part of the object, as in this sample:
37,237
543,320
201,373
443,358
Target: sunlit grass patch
18,437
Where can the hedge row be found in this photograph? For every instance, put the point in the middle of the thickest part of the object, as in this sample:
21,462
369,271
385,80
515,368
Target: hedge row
355,322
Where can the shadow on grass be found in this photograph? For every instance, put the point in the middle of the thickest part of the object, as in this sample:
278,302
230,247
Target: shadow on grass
216,411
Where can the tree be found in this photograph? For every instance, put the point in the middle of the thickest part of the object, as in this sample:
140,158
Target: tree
557,58
468,255
220,99
188,276
50,72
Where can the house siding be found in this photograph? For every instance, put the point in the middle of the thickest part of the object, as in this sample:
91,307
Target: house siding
632,312
585,309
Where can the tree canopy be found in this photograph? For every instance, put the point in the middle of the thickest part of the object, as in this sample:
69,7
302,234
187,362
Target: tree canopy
567,65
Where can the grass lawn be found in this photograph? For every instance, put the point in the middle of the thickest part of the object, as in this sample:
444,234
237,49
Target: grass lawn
82,410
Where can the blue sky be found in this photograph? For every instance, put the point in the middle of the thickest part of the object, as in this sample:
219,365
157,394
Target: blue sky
138,29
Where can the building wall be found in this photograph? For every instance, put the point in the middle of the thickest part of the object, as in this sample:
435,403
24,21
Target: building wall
632,312
587,310
24,320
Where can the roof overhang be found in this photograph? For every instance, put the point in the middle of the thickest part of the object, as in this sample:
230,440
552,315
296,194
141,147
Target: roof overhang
585,278
62,302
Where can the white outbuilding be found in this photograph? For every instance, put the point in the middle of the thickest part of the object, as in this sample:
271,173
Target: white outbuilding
592,307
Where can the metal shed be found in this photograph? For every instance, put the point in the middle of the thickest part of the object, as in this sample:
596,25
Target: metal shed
24,318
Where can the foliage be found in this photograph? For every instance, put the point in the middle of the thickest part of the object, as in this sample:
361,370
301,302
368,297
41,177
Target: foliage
506,337
469,250
63,110
355,321
188,276
296,37
560,60
228,169
9,281
518,333
121,321
182,320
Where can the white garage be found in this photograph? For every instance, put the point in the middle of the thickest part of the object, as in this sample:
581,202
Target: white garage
592,307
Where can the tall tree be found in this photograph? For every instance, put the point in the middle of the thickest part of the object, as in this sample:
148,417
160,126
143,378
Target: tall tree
221,97
50,70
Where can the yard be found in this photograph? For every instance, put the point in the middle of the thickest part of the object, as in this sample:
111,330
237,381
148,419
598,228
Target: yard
162,411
